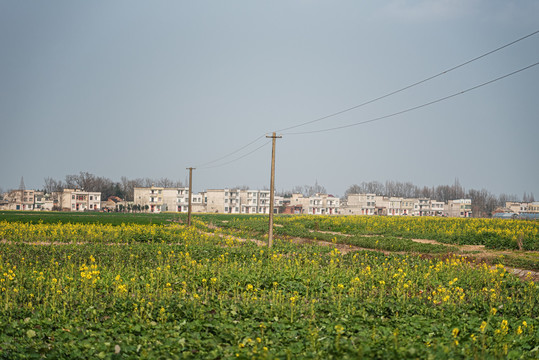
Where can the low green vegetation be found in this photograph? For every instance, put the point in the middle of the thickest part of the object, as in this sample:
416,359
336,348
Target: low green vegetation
99,290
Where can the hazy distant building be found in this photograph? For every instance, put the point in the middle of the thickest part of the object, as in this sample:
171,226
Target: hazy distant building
459,208
158,199
77,200
359,204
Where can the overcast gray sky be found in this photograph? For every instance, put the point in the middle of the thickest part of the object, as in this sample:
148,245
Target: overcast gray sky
148,88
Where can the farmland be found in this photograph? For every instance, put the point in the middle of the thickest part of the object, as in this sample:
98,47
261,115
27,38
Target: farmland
122,286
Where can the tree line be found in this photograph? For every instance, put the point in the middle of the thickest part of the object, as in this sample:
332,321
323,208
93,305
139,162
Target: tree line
123,189
483,201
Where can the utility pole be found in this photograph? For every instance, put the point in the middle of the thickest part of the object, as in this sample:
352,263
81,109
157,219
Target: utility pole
190,195
272,189
22,187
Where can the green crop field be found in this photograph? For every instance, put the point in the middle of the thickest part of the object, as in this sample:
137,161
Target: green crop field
138,285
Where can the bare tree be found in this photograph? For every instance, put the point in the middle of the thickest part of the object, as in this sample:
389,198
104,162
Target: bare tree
307,190
483,202
314,189
425,192
71,181
51,185
504,198
391,188
165,182
128,187
86,181
148,182
353,189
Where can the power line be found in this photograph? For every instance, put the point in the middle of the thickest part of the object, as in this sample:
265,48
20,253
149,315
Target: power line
415,107
229,154
239,158
204,165
409,86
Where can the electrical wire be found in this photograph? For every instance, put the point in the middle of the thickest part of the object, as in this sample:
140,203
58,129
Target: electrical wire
204,165
409,86
415,107
229,154
239,158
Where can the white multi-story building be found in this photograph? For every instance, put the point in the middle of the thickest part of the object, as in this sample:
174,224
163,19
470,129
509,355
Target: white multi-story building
77,200
422,207
159,199
197,203
223,201
232,201
359,204
436,208
407,206
394,207
332,204
19,200
44,201
323,204
258,202
533,208
249,201
459,208
300,203
264,201
151,199
517,207
28,200
182,200
381,205
370,204
316,207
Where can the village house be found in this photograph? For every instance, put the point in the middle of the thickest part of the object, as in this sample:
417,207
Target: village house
78,200
407,206
517,207
371,204
258,202
359,204
19,200
459,208
533,208
394,207
234,201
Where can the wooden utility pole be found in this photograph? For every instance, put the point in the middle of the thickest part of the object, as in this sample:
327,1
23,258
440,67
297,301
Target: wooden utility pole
272,189
190,195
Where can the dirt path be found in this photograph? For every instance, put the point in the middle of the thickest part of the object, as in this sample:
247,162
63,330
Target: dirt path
478,252
330,232
343,248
